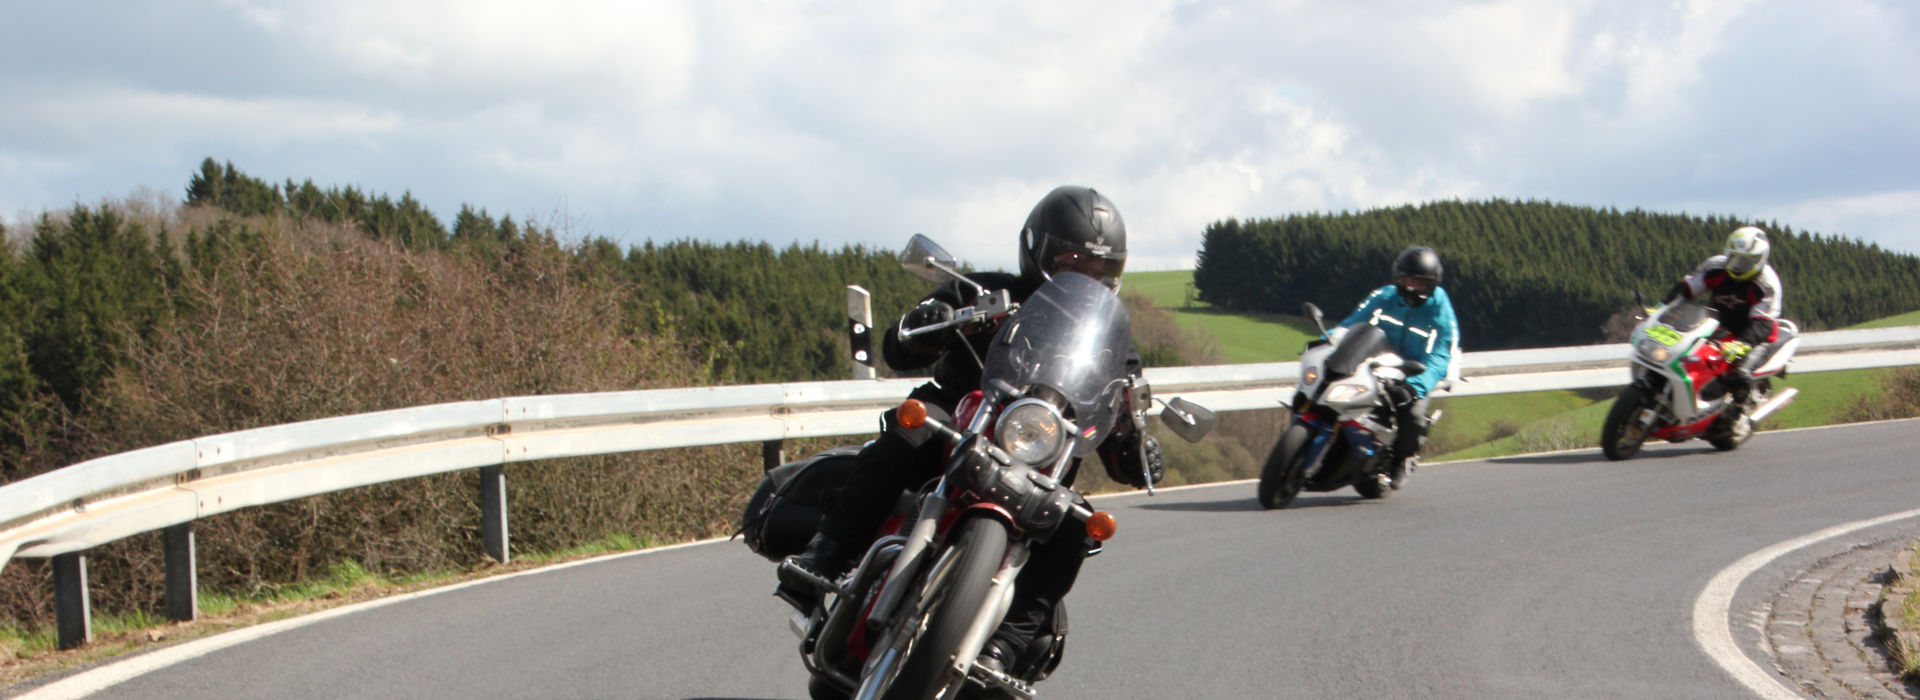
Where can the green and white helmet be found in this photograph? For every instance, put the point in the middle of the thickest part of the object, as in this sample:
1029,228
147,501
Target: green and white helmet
1747,250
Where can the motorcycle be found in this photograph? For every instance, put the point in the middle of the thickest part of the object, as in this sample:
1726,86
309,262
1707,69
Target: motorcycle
911,618
1678,392
1343,425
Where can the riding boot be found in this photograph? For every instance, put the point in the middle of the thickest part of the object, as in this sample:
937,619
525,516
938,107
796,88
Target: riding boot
826,559
1739,383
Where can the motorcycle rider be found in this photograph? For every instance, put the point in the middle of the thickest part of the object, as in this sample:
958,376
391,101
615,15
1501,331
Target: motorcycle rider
1418,318
1071,229
1746,294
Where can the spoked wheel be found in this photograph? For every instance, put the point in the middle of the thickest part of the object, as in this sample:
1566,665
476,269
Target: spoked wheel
1286,469
919,664
1623,433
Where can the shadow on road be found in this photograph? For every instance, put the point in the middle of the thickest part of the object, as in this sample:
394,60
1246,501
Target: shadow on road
731,698
1589,457
1249,504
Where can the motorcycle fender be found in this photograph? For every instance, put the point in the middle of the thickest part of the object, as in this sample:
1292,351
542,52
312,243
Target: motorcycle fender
999,601
919,541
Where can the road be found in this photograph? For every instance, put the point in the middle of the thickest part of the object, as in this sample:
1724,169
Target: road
1559,575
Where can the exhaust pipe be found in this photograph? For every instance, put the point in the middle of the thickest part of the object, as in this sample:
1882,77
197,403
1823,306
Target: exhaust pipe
1776,403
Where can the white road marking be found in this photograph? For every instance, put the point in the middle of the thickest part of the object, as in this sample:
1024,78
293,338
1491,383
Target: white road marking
1712,608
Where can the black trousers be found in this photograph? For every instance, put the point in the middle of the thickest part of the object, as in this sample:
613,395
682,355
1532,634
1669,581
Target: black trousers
1411,416
888,467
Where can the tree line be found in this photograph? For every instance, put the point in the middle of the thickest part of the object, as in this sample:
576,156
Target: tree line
1534,274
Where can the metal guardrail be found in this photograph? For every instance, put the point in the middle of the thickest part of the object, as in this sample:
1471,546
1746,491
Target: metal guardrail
65,512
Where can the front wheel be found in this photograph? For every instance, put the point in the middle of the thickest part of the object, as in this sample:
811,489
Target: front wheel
1623,433
948,611
1286,469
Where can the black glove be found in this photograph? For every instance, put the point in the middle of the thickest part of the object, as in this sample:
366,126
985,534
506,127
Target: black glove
1123,462
1156,460
928,313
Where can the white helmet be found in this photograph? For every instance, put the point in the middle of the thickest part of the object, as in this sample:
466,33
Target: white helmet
1746,252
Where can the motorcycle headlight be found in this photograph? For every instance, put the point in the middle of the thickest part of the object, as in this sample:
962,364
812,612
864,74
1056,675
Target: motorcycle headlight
1342,393
1653,350
1031,431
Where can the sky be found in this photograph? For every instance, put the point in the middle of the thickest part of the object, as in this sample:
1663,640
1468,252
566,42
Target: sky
866,122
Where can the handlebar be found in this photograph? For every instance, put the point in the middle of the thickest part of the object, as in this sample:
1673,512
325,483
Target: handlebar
987,308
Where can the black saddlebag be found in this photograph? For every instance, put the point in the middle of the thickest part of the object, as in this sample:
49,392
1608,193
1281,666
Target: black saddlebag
785,511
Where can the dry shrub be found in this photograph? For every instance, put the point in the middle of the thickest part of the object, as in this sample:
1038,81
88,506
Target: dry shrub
1900,398
313,321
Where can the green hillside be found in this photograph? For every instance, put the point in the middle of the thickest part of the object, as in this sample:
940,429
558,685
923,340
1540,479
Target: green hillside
1243,338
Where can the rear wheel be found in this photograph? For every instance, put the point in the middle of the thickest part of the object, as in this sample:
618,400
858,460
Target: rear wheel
948,611
1369,487
1286,469
1622,434
1738,429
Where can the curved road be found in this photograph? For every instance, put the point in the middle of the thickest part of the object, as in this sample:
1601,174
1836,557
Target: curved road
1559,575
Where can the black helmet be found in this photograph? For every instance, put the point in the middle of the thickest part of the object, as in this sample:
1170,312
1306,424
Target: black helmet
1074,228
1415,264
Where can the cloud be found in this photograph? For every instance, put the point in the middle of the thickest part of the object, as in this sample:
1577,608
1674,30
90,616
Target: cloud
865,122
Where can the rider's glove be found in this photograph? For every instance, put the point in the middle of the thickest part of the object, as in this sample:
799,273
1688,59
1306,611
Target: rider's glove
1733,350
928,313
1156,460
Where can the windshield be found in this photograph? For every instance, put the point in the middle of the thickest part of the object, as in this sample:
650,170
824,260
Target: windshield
1684,316
1361,343
1071,336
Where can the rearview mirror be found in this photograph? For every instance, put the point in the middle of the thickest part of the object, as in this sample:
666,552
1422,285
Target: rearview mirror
926,260
1189,420
1312,313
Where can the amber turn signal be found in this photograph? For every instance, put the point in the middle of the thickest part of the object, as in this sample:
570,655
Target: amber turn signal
1100,526
912,414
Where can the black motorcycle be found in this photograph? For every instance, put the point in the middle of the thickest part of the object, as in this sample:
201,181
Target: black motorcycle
909,620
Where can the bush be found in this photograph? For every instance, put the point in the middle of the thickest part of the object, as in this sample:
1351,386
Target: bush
281,322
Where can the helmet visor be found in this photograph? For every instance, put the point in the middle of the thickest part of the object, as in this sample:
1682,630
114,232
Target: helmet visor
1417,284
1057,256
1743,265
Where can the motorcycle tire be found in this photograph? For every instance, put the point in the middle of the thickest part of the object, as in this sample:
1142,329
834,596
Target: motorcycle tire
1617,438
950,610
1737,436
1286,468
1369,488
822,689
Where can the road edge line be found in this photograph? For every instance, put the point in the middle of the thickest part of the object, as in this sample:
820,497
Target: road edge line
1712,609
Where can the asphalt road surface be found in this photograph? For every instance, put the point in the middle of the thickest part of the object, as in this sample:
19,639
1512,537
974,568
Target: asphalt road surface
1560,575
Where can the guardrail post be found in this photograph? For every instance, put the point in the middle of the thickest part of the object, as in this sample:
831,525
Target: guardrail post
71,615
183,586
773,453
860,330
493,511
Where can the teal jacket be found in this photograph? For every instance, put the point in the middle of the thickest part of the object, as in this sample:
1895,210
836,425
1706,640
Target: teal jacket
1427,332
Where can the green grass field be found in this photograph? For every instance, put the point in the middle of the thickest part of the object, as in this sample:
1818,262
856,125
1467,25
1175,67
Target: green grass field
1911,318
1244,338
1475,427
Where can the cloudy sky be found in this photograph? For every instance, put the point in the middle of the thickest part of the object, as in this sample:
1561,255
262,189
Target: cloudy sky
853,122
